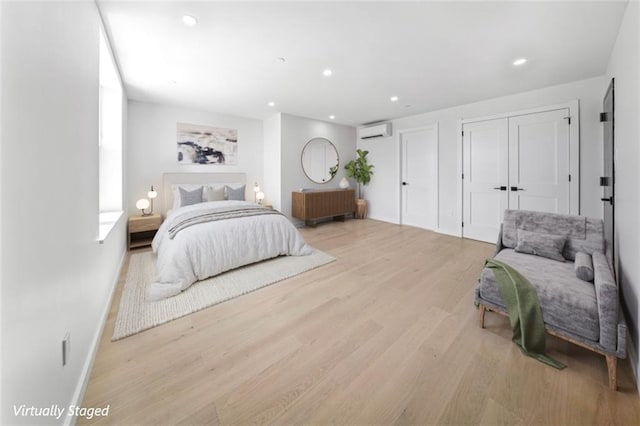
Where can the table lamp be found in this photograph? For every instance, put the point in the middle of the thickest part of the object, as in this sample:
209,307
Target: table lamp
151,195
143,204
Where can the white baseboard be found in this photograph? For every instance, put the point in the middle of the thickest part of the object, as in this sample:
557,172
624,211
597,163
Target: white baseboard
382,219
632,355
453,233
81,387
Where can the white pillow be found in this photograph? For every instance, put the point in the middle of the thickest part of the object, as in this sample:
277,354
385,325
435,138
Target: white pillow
214,193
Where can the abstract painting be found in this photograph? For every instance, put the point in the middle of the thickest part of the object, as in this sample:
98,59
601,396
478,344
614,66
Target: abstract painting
207,145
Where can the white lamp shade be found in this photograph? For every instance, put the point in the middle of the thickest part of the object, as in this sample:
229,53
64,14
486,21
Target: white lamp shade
152,194
256,188
260,196
142,204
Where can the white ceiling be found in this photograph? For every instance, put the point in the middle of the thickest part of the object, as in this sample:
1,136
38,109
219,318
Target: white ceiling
431,55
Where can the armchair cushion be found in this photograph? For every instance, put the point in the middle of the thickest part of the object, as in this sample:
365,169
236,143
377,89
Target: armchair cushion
539,244
583,234
567,302
584,266
608,303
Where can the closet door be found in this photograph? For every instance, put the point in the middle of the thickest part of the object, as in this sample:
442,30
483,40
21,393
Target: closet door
539,162
486,175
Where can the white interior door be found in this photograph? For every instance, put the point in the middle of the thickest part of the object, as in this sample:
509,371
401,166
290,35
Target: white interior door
419,153
539,162
486,178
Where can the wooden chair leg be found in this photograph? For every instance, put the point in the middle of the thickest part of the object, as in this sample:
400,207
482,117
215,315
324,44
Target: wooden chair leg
612,364
482,311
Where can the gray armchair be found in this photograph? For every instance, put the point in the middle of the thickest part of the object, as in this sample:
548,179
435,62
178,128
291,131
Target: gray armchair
585,313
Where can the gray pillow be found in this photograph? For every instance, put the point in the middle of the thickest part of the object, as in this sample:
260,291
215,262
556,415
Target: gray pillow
584,266
215,194
539,244
188,198
235,193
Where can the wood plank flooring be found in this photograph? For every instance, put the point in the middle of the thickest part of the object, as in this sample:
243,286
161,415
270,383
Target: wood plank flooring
388,334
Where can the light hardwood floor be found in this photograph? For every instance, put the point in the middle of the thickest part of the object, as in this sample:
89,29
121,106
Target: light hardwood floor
387,334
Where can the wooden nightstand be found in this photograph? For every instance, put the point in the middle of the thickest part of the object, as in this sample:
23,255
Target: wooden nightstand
267,205
142,229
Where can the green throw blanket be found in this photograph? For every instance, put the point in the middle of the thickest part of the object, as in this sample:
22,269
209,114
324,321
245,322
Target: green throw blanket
525,314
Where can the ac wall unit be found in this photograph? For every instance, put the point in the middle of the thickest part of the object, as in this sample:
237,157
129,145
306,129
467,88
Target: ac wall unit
377,131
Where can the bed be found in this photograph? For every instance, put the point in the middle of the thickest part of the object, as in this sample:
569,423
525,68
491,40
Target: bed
209,228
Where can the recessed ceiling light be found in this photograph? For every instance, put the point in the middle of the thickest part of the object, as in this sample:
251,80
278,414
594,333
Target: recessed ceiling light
172,82
271,104
520,61
407,106
281,59
189,20
331,117
394,99
327,72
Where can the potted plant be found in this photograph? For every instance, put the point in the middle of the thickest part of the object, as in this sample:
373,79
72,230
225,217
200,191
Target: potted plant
360,170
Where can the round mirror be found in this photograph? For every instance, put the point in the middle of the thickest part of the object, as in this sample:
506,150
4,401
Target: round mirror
320,160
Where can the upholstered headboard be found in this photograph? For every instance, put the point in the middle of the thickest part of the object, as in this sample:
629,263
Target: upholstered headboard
169,179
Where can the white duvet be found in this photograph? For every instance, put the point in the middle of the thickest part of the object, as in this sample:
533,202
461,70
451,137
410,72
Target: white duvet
206,249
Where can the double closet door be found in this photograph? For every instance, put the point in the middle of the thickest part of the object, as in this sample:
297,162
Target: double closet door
520,162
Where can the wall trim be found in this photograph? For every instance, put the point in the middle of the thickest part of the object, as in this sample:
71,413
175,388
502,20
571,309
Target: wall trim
382,219
83,381
450,232
569,104
632,356
460,164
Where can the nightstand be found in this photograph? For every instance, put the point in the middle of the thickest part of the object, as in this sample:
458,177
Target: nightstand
267,205
142,229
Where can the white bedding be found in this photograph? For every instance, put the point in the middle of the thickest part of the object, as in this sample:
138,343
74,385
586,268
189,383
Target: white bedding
206,249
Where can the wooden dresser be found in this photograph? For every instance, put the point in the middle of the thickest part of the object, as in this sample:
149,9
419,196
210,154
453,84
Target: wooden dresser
319,204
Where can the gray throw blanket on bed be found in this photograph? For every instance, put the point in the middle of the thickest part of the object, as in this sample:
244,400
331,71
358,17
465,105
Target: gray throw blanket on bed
215,214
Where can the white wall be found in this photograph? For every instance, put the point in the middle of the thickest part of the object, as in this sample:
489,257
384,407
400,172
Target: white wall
624,66
152,147
295,133
1,236
383,191
271,181
56,277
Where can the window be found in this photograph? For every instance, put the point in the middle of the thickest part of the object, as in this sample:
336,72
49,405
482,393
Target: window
109,142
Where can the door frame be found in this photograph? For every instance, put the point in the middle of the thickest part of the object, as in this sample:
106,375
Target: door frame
401,133
574,151
611,91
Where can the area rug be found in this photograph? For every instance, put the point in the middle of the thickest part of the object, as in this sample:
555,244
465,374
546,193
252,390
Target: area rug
136,314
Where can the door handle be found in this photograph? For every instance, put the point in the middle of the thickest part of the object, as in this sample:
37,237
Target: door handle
610,200
501,188
404,184
515,188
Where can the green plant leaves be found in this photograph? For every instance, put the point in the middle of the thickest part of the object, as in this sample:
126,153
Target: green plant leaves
359,169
